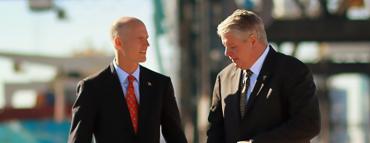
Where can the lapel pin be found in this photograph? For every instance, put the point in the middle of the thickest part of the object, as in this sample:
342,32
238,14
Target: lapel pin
264,77
149,84
259,90
269,93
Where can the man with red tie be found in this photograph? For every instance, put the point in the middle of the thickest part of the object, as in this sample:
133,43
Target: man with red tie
126,102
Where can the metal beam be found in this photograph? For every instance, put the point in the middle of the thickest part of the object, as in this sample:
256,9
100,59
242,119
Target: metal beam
337,68
334,30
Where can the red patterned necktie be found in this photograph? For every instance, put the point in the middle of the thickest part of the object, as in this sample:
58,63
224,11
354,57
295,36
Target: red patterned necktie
132,104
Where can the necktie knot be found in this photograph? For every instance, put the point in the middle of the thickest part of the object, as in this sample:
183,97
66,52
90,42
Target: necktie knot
131,78
248,73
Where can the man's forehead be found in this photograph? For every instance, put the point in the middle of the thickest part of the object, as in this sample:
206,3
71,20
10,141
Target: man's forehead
227,37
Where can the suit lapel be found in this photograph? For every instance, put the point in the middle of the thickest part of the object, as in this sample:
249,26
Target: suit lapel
230,88
146,89
233,82
262,79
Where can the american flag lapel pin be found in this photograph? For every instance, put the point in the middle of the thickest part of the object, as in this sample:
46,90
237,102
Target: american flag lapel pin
264,77
269,93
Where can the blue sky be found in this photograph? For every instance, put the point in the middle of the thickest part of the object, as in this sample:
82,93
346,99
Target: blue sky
87,22
42,33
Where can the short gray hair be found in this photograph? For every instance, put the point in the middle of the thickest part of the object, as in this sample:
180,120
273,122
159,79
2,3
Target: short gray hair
243,21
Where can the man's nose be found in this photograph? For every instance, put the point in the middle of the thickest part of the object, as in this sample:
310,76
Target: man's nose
147,43
227,52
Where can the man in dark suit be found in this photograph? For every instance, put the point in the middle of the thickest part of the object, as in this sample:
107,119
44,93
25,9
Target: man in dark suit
126,102
263,96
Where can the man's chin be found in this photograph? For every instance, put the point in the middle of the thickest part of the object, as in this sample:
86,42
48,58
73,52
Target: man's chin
239,66
142,60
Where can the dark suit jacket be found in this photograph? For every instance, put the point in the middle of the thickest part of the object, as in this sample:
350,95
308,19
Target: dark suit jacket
100,110
282,107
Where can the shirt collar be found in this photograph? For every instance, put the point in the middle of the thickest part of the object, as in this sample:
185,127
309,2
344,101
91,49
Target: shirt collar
122,75
257,66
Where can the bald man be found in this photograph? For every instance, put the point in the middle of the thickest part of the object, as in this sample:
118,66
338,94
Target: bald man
126,102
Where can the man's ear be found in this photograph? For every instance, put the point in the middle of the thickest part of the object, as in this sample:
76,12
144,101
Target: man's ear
253,38
117,42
